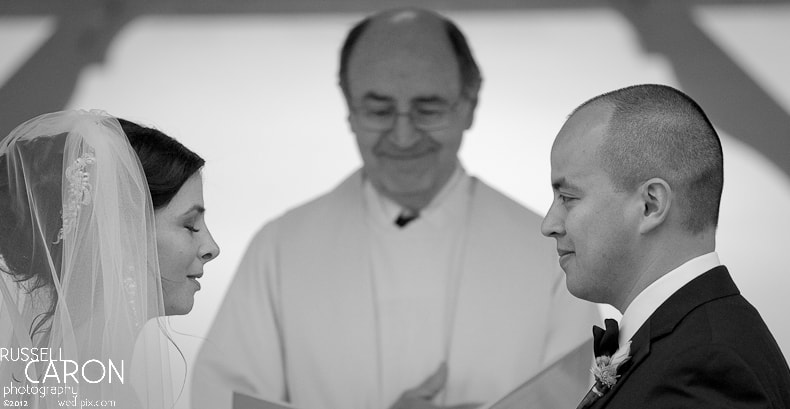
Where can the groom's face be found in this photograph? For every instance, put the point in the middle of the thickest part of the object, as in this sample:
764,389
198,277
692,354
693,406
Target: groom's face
589,218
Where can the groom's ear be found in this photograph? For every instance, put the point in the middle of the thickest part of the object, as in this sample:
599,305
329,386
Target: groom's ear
656,200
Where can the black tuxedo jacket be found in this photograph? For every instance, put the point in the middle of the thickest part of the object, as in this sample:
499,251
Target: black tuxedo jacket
705,347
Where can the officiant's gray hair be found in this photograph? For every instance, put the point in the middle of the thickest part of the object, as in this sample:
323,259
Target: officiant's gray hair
471,78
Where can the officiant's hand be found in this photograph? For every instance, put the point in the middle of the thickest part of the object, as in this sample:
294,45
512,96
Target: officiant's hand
421,396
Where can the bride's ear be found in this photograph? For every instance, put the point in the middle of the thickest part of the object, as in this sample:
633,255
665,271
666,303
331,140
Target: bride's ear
655,197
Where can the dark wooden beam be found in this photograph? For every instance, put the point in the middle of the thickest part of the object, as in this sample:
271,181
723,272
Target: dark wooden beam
85,28
57,7
733,100
46,81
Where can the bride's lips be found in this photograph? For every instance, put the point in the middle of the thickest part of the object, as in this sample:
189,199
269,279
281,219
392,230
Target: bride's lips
194,279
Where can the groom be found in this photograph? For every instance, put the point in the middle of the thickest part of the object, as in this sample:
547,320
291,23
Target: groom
637,175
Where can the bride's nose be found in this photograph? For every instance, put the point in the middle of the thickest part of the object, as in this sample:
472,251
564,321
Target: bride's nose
209,250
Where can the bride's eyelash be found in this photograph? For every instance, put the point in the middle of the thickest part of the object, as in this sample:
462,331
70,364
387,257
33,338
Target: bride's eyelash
192,228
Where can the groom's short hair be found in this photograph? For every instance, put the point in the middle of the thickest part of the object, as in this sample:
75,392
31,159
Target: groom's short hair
658,131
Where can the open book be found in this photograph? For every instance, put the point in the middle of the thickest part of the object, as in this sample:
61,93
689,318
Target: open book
242,401
546,390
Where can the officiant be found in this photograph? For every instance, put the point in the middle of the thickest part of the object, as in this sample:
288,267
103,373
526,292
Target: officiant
411,283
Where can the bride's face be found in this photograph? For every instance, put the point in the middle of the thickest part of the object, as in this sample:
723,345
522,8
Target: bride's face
184,245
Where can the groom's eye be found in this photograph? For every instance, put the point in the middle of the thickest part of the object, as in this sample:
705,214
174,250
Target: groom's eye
564,199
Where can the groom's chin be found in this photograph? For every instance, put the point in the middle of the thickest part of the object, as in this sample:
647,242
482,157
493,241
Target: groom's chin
577,288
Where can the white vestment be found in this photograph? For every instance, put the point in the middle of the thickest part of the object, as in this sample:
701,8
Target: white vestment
310,318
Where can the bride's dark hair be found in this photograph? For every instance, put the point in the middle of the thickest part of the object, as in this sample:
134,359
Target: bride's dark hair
167,164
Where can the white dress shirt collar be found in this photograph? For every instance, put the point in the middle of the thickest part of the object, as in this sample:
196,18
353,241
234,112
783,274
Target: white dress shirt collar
458,182
648,301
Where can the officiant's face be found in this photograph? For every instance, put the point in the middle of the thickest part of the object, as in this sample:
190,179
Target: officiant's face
589,218
406,108
184,245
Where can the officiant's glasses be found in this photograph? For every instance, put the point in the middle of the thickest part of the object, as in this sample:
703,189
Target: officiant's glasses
434,114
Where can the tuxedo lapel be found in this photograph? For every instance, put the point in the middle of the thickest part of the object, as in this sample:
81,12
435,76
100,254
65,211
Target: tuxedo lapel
711,285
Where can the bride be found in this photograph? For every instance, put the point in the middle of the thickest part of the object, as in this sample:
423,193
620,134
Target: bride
101,235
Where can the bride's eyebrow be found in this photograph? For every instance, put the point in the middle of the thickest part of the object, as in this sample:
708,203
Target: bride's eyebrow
196,208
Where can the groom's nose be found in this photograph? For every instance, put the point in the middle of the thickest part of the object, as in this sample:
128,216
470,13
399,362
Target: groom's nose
553,225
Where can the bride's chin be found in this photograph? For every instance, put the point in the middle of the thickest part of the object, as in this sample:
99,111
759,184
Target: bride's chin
181,307
179,297
177,311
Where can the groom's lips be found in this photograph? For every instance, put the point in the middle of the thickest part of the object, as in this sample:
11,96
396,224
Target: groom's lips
563,253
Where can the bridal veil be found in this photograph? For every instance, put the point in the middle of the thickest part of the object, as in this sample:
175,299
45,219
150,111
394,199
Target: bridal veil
80,292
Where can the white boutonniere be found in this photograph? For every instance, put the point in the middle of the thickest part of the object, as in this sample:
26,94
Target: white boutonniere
608,358
605,367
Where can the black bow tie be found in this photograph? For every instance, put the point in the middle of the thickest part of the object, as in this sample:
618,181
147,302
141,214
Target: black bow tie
605,343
